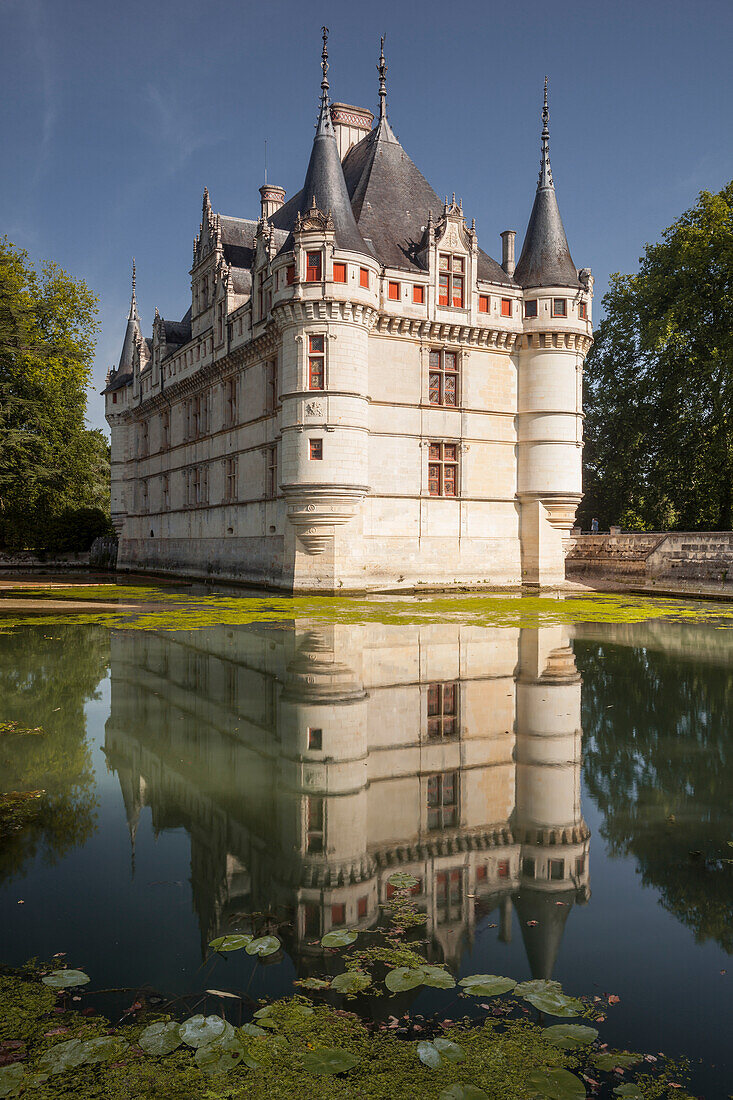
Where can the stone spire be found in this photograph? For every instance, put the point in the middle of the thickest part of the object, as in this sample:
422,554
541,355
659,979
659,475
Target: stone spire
133,333
325,186
545,258
382,70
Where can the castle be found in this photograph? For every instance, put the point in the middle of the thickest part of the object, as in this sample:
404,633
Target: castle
359,397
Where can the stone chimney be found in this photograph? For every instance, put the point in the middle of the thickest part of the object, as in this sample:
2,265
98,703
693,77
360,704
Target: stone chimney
351,125
272,198
507,250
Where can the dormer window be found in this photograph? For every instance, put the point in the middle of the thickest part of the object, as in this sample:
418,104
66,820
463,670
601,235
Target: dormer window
313,267
451,280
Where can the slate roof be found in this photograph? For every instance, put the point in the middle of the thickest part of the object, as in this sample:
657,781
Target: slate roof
178,332
238,240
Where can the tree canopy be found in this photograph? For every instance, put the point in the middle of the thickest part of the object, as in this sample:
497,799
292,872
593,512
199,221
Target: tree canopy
659,383
51,464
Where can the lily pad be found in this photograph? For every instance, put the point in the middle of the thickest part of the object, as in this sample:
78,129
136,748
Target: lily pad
351,981
265,945
401,880
231,943
329,1060
404,977
608,1061
63,979
198,1030
448,1049
570,1036
438,978
11,1080
264,1015
220,1056
62,1056
338,938
103,1048
487,985
540,985
630,1091
555,1004
161,1038
463,1092
429,1054
252,1029
314,983
556,1084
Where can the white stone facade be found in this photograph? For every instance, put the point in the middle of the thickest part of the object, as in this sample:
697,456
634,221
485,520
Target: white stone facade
235,457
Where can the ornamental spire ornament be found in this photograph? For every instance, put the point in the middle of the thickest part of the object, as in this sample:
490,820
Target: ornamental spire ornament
382,70
133,316
545,179
324,124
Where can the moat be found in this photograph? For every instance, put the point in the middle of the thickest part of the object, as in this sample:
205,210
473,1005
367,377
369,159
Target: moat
560,788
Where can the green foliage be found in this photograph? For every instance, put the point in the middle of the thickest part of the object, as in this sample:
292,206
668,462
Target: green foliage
53,470
659,383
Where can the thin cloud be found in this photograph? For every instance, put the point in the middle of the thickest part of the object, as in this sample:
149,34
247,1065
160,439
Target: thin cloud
37,17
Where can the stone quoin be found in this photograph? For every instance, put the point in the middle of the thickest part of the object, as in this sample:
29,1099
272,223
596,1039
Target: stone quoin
359,397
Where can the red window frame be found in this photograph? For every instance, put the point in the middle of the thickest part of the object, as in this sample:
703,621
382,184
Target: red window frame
313,267
339,273
503,868
451,281
442,710
315,739
290,274
443,469
481,873
393,292
530,308
443,377
559,307
483,303
317,362
338,915
418,295
583,311
361,905
316,450
506,307
364,277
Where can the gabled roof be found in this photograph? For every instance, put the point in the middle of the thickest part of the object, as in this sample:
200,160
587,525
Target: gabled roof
545,258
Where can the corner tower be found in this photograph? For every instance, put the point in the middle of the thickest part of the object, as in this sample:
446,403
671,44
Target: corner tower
557,334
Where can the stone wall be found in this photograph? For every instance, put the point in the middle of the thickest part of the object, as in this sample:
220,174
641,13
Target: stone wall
646,556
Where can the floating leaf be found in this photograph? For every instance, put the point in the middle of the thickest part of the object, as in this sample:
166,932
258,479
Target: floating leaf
463,1092
541,985
351,981
402,880
161,1038
404,977
103,1048
570,1036
608,1061
62,979
314,983
252,1029
231,943
198,1030
630,1091
429,1054
438,978
556,1084
61,1057
449,1050
554,1004
329,1060
487,985
220,1056
11,1080
265,945
264,1015
339,938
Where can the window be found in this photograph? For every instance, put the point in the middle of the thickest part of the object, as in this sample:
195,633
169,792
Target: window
528,867
221,322
165,425
313,267
443,800
230,391
418,295
503,868
143,438
483,303
580,865
190,493
271,386
451,280
442,469
165,492
557,869
143,496
481,873
311,919
583,311
315,820
448,896
230,479
559,307
315,739
316,449
272,472
290,274
338,914
506,307
361,906
393,292
530,309
364,277
442,710
316,362
339,273
114,398
443,380
200,484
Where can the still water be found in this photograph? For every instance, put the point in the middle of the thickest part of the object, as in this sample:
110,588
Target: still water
564,796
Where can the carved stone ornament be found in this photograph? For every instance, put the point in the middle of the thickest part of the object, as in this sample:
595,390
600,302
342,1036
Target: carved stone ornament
314,220
314,408
314,512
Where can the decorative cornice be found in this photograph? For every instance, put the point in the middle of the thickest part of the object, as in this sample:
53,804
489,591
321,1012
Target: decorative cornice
305,311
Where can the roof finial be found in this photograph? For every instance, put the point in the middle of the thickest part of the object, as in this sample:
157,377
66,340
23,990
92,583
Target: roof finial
382,70
545,179
324,66
133,300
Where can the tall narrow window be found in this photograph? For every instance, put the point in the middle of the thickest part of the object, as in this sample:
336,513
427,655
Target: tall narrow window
316,449
393,292
583,311
506,307
290,274
451,280
272,472
338,914
442,710
315,823
313,267
220,324
231,401
483,303
143,438
418,295
143,496
443,800
195,422
230,479
165,427
339,273
316,362
559,307
449,896
364,277
442,469
165,492
271,384
443,389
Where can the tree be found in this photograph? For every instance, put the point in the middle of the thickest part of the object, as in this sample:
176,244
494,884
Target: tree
50,462
659,382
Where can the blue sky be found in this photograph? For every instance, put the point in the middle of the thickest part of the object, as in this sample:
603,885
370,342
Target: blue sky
115,116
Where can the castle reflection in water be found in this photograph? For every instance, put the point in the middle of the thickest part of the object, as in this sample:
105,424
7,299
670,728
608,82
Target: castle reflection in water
310,762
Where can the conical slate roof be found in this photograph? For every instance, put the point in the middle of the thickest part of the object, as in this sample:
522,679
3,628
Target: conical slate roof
545,258
543,937
133,333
